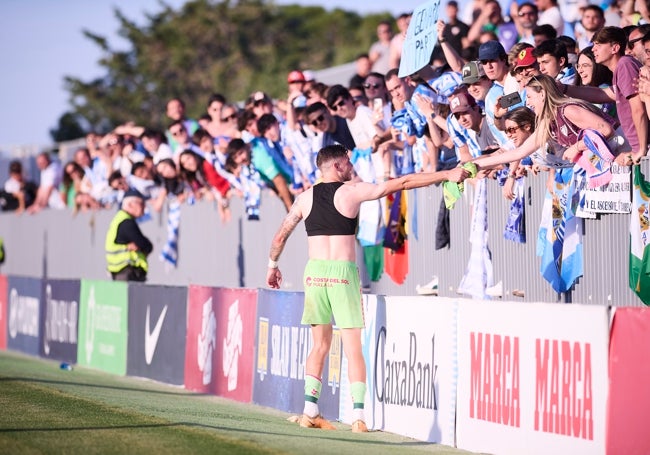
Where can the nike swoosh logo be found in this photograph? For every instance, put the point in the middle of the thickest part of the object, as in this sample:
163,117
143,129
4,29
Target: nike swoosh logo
151,338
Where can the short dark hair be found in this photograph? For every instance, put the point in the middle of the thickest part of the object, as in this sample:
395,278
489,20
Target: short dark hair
528,4
218,97
136,166
168,161
244,117
316,107
376,75
176,122
394,72
596,9
199,135
335,92
115,175
569,42
180,101
15,167
643,30
645,38
153,134
265,122
545,29
554,47
329,153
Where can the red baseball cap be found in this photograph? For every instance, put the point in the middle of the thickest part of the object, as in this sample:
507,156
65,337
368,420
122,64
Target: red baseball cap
295,76
525,58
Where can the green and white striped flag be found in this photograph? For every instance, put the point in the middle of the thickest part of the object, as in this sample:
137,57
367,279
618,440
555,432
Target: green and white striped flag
640,237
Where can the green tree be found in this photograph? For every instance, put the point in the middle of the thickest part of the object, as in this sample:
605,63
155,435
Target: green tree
230,47
69,128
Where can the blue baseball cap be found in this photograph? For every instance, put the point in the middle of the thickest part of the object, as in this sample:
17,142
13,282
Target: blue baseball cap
491,50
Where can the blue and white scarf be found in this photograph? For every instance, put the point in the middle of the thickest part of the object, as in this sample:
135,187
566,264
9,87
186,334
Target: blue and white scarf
169,253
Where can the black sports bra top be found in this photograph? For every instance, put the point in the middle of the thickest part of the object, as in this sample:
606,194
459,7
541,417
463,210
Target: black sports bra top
324,219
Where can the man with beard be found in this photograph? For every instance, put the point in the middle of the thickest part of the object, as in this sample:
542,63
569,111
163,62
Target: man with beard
332,286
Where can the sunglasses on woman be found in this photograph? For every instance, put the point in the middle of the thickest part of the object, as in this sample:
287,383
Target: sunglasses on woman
514,129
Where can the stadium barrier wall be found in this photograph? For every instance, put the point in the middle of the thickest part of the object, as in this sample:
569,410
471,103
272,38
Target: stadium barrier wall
58,244
497,377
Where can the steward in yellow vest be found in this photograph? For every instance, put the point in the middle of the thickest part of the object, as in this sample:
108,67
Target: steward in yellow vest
126,247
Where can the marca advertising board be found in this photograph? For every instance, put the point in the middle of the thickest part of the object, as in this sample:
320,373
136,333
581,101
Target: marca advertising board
24,314
414,369
59,322
628,410
282,348
157,328
532,378
3,311
103,316
374,309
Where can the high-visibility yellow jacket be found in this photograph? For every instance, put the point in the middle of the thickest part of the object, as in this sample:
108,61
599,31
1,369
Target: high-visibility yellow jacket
117,255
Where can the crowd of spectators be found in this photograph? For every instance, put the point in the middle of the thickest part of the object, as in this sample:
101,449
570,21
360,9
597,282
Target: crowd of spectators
447,113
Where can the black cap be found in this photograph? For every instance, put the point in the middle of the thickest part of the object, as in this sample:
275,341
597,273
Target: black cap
132,192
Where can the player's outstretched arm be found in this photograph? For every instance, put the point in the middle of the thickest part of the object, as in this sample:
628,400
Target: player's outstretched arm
369,191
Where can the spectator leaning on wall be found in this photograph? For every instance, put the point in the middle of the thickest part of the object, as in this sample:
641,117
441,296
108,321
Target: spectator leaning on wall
126,247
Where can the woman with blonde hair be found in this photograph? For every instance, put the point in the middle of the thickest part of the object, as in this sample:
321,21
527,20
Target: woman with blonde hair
559,123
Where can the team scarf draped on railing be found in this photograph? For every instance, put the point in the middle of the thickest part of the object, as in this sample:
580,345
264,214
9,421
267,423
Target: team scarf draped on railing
169,253
479,273
515,228
560,238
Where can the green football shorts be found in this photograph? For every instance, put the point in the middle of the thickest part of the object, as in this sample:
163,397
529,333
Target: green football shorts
332,288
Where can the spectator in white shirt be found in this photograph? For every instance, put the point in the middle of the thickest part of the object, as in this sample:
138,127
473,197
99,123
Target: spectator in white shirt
48,195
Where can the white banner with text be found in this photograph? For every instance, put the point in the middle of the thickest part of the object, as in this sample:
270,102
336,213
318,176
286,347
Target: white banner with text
532,377
414,369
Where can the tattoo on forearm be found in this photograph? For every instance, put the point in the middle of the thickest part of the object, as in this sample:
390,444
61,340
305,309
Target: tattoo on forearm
288,225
